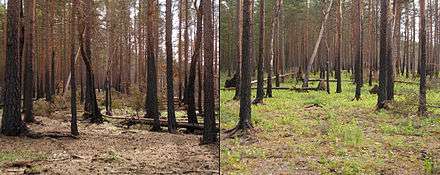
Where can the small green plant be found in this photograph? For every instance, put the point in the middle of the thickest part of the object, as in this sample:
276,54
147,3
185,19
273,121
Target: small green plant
33,169
349,133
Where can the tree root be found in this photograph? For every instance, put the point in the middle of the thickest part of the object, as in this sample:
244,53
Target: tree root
245,130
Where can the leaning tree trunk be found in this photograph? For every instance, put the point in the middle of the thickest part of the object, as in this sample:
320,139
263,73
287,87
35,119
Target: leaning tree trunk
12,124
315,50
272,49
91,110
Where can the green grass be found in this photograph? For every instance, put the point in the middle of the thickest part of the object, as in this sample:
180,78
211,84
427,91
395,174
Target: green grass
341,136
18,155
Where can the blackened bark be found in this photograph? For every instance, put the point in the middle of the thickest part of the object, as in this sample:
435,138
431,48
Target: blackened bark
169,56
338,47
383,68
91,110
244,124
260,62
151,102
209,130
239,56
422,88
73,120
191,111
12,124
357,48
29,55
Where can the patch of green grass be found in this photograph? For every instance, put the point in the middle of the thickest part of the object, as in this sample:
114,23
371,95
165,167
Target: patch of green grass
348,133
33,169
406,127
340,137
18,155
231,160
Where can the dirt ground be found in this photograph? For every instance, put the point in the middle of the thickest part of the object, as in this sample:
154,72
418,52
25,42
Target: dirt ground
106,149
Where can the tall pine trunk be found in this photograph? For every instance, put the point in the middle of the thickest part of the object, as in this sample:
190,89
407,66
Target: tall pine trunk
151,102
422,40
29,55
12,124
169,57
209,131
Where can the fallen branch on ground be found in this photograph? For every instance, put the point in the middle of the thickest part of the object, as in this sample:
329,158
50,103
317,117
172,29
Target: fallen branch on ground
132,121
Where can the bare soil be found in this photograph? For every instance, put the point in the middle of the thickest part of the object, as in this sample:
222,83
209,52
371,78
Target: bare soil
106,149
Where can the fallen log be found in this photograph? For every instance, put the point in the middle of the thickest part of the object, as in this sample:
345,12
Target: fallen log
305,89
406,82
164,123
253,88
281,76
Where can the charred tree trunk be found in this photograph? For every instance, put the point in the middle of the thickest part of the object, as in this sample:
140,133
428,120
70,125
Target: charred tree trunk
151,102
73,121
169,57
190,88
338,46
260,62
91,110
357,47
209,132
422,40
383,68
239,33
244,124
12,124
29,55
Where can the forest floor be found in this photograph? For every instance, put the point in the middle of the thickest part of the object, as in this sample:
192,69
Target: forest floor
320,133
105,149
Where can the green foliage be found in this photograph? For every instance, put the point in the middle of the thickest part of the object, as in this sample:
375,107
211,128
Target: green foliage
19,155
33,170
